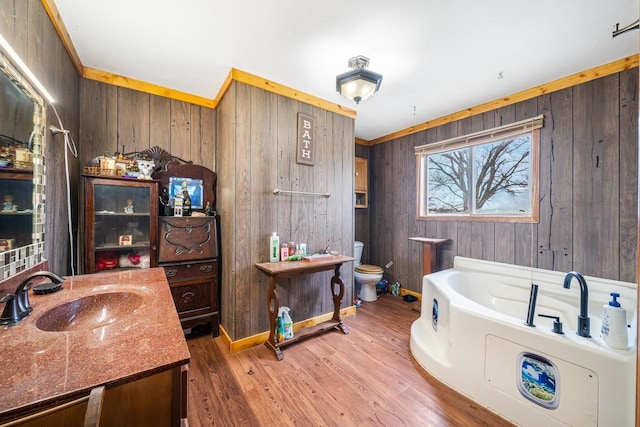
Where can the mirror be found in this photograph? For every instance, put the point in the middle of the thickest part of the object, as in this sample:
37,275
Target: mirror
22,174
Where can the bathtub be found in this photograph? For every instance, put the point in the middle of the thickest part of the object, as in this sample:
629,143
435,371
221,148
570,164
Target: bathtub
471,336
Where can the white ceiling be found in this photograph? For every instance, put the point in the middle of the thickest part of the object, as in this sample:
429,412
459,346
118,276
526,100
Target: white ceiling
437,56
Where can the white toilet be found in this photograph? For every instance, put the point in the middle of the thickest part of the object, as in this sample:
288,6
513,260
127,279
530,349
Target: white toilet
367,276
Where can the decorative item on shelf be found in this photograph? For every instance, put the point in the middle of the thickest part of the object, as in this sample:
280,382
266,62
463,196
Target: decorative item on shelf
145,167
5,157
186,200
177,205
209,210
129,208
125,240
135,260
8,205
106,260
7,244
165,204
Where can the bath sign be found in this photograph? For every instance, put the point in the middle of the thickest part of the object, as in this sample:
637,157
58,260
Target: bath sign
306,139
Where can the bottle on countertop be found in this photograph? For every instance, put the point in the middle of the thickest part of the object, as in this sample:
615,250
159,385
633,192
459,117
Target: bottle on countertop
614,323
284,252
274,247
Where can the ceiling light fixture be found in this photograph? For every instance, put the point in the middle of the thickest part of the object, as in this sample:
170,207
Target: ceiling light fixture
360,83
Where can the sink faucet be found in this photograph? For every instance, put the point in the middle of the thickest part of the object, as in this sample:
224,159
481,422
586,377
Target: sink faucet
17,305
584,328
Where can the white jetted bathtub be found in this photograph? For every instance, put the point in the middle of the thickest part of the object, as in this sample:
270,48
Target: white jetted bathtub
471,336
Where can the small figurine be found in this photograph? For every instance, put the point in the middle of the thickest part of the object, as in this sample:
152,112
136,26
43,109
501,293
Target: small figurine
146,168
129,208
8,205
164,202
186,200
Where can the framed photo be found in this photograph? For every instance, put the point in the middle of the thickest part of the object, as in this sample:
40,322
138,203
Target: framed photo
194,187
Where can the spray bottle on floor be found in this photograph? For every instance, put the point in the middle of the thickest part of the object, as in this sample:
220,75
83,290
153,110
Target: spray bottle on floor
287,323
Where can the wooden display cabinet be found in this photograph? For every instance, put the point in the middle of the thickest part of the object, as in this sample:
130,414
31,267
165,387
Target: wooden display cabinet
118,235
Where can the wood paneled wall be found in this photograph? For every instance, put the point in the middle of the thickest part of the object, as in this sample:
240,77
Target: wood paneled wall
256,152
362,214
588,190
26,26
115,117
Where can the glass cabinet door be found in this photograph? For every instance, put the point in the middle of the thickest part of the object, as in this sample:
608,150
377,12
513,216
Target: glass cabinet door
121,220
16,211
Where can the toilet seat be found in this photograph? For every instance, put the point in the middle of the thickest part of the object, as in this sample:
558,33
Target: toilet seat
368,269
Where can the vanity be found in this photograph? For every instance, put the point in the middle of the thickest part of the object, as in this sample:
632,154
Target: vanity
126,336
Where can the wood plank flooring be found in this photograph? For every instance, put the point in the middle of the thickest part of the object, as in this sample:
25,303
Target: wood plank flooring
366,378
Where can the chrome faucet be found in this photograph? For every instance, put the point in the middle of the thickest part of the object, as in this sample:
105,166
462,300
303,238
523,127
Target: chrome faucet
17,305
584,328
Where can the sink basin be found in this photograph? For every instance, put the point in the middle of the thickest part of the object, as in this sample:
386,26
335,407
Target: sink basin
91,311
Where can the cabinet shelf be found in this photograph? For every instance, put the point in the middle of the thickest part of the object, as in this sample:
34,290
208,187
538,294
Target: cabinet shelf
113,247
127,215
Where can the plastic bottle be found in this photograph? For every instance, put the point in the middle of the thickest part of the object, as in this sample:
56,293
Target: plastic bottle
274,247
280,328
284,252
287,323
614,323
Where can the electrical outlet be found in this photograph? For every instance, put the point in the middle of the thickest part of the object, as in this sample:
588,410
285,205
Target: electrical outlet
389,264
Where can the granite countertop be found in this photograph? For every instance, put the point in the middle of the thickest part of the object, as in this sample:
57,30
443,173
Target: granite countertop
40,367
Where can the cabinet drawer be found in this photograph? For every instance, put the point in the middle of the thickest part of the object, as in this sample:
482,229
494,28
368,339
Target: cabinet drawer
190,271
195,297
187,238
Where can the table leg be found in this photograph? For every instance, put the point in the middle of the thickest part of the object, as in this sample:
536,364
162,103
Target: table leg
428,259
337,298
272,307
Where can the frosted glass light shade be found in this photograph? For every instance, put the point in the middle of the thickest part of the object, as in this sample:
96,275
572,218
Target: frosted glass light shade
358,84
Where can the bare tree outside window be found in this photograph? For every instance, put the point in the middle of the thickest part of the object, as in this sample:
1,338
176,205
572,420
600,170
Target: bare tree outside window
498,183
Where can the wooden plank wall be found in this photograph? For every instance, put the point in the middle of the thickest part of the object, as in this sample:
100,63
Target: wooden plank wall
588,190
256,152
27,28
115,117
362,214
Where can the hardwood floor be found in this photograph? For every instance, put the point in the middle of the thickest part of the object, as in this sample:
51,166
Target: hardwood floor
366,378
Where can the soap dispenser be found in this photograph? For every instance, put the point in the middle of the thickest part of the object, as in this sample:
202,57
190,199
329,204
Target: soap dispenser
614,323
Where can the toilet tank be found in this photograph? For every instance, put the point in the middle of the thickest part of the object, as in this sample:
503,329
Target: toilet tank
357,251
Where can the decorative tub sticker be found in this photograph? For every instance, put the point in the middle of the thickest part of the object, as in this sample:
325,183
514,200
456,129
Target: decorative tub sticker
434,315
538,380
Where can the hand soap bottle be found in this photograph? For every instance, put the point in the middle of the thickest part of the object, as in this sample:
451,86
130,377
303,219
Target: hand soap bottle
274,248
614,323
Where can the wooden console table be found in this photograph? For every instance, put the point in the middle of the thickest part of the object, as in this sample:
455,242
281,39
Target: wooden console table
284,270
428,252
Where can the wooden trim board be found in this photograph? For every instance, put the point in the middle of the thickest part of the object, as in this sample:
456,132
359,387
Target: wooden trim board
563,83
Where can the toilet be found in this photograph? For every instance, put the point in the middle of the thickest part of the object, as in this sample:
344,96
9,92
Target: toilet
367,276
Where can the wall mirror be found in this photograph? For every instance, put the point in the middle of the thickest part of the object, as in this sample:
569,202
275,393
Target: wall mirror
22,172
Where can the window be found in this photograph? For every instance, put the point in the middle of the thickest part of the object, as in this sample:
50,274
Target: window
490,175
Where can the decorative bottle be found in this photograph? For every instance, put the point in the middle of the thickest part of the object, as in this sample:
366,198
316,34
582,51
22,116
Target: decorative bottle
274,247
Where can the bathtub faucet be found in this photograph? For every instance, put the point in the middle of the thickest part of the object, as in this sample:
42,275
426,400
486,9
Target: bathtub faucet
584,328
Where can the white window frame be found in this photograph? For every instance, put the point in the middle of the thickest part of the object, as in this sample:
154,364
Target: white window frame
490,136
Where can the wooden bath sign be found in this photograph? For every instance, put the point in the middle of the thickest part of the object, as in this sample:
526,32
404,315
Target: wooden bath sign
306,134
